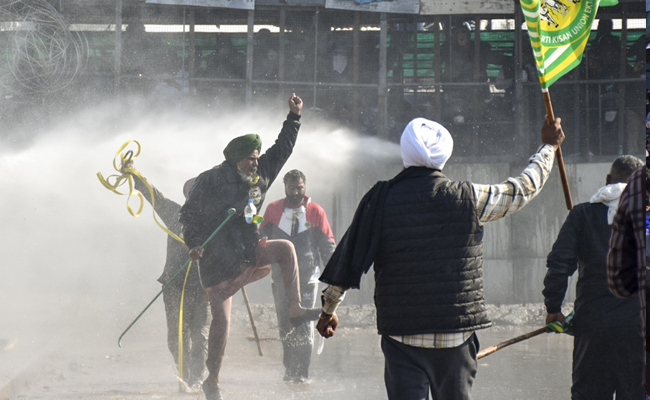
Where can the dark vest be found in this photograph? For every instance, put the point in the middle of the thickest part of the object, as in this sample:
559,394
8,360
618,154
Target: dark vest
428,273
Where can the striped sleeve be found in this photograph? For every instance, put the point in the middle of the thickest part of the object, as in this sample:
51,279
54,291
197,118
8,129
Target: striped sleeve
497,201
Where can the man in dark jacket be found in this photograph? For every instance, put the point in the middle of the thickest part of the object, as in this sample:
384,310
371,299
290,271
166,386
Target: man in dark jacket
196,310
298,219
607,329
424,234
237,255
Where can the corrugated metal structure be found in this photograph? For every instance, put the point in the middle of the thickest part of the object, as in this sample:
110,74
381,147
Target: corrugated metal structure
370,67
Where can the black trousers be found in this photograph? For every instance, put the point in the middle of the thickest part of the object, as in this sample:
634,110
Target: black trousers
298,342
608,361
410,372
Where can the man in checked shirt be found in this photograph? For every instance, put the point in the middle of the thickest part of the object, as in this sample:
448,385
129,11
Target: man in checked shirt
625,260
424,234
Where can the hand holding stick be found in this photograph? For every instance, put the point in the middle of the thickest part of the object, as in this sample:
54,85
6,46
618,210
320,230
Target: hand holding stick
558,153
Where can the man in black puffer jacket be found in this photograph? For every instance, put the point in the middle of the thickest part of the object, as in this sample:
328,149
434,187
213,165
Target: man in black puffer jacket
607,329
424,234
237,255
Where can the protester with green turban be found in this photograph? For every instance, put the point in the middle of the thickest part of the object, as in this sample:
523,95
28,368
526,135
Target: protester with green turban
242,146
237,255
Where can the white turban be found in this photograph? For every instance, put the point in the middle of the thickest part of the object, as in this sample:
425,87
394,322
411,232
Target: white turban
426,143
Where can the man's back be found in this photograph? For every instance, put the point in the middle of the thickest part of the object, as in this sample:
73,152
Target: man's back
582,244
431,248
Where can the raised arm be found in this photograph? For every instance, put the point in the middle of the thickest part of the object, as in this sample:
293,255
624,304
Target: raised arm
497,201
272,161
166,209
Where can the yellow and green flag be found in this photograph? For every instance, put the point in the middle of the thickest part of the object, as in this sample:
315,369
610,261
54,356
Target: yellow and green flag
558,31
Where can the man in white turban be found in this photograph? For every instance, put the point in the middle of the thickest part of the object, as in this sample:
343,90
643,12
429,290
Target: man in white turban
424,235
426,143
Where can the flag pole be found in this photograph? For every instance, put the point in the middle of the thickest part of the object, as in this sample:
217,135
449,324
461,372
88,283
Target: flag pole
558,153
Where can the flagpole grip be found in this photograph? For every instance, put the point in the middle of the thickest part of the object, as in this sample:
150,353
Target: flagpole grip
558,154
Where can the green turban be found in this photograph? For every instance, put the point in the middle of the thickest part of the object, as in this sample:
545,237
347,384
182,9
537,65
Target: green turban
242,146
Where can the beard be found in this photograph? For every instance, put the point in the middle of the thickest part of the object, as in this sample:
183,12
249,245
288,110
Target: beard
248,178
297,199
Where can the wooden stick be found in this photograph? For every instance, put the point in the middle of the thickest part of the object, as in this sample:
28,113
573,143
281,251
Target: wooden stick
250,314
558,153
499,346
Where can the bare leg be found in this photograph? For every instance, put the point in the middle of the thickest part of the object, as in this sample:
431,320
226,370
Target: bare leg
219,330
283,253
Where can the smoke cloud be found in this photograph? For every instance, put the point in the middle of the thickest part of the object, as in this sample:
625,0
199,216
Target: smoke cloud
69,245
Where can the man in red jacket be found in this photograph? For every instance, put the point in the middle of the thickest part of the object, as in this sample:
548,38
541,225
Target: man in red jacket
301,221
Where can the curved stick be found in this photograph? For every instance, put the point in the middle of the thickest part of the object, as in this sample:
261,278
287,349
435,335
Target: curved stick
231,212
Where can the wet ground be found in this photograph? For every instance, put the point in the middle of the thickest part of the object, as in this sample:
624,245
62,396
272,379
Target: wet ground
88,364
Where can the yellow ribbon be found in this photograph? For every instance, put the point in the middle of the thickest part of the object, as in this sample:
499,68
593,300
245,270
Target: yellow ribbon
126,174
125,158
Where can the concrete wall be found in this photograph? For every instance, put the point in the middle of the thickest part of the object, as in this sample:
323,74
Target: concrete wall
515,247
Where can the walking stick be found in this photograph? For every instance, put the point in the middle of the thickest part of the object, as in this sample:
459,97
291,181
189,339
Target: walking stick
555,326
558,154
501,345
231,212
250,314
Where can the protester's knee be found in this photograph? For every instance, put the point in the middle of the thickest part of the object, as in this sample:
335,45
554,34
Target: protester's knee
281,249
282,246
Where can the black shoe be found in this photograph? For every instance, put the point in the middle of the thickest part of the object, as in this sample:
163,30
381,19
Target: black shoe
211,392
311,314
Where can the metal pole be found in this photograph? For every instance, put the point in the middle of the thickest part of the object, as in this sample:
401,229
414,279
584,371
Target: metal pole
383,72
281,49
192,52
477,48
437,68
315,57
623,144
523,138
477,91
355,69
118,46
600,119
183,48
249,57
416,77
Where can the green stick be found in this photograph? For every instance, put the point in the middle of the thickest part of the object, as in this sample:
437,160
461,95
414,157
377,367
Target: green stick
231,212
